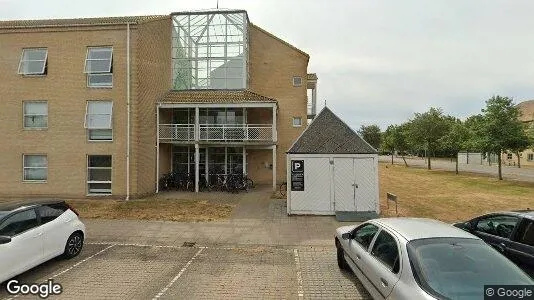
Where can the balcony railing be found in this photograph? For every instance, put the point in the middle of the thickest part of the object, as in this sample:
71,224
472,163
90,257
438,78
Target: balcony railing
216,132
177,132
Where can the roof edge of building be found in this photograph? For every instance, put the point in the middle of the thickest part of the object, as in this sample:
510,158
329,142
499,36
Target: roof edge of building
79,22
280,40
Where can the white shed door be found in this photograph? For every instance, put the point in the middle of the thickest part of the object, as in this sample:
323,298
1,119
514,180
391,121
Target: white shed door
355,184
316,194
365,178
344,184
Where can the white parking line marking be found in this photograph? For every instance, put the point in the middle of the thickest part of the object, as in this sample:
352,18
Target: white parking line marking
81,262
299,275
72,267
177,276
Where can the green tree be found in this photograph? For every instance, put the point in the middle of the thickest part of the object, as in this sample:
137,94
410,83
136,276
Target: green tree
371,134
455,139
394,138
426,129
501,129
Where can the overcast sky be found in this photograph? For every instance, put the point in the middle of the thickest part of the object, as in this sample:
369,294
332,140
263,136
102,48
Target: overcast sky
378,62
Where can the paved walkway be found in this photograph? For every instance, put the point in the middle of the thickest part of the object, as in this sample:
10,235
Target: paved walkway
257,220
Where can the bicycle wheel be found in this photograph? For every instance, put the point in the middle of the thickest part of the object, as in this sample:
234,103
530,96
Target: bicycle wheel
283,189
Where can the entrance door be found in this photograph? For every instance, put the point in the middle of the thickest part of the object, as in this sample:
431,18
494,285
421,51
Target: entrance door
354,184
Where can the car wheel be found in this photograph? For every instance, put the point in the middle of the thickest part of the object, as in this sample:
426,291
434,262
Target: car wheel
342,264
74,245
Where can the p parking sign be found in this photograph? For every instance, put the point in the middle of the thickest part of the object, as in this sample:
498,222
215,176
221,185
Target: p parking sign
297,175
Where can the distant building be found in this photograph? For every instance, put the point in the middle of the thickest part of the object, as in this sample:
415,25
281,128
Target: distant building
527,117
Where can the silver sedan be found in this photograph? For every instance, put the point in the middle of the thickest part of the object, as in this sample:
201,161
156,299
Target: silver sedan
410,258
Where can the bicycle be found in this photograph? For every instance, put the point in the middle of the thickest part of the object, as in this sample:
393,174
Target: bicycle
283,189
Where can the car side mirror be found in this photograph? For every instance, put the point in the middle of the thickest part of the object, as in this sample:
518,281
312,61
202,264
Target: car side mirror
346,236
4,239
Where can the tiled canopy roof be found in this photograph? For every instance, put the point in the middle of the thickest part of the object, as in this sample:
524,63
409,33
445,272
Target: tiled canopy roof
79,22
312,76
328,134
214,96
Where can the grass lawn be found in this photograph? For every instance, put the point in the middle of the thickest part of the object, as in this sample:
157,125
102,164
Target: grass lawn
448,197
153,208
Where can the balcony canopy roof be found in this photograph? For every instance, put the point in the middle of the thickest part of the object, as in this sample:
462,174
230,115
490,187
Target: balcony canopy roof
215,97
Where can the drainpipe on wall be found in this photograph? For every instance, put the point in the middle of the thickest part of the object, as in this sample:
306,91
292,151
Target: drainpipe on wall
128,111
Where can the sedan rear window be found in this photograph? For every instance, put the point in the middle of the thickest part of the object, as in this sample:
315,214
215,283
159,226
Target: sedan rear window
458,268
50,212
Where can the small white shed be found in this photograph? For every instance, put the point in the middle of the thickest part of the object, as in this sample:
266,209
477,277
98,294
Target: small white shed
331,170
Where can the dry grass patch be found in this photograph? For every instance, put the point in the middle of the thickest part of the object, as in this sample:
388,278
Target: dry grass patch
445,196
153,208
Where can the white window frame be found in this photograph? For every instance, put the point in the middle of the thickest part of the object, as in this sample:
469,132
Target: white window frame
24,114
530,156
95,74
43,69
24,168
105,192
293,121
295,78
89,128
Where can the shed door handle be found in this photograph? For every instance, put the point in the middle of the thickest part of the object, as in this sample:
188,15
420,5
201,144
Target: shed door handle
384,282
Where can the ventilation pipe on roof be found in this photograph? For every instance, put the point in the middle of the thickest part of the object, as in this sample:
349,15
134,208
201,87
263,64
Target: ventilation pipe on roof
128,111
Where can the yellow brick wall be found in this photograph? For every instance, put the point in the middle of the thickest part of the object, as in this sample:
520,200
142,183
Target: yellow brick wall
153,79
64,87
271,69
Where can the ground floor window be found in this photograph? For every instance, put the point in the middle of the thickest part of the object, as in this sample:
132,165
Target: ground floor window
214,161
99,174
35,167
530,157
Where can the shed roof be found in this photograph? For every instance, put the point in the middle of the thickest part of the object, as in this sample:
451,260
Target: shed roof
214,96
328,134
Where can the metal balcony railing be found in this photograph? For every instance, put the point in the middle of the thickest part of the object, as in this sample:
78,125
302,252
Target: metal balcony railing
177,132
216,132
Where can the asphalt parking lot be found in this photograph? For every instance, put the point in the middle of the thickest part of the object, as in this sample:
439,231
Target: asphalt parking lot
131,271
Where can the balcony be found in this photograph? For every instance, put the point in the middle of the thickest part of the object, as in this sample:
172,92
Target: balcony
216,132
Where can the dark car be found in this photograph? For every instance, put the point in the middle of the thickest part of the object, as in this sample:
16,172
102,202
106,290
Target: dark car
510,232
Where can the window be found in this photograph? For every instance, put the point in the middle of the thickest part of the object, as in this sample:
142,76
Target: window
297,81
98,120
98,66
525,233
499,225
33,61
364,234
35,114
509,156
50,212
385,250
297,121
19,223
35,167
530,156
99,174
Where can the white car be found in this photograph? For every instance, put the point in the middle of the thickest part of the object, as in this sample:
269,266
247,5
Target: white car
410,258
32,232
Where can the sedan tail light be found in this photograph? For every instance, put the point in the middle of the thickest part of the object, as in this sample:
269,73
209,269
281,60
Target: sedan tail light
73,210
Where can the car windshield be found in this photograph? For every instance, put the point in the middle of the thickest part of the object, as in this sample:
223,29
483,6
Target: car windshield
458,268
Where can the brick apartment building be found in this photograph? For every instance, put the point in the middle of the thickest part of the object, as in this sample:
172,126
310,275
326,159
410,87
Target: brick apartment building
105,106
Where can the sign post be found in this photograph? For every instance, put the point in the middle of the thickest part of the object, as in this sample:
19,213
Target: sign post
297,175
392,197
